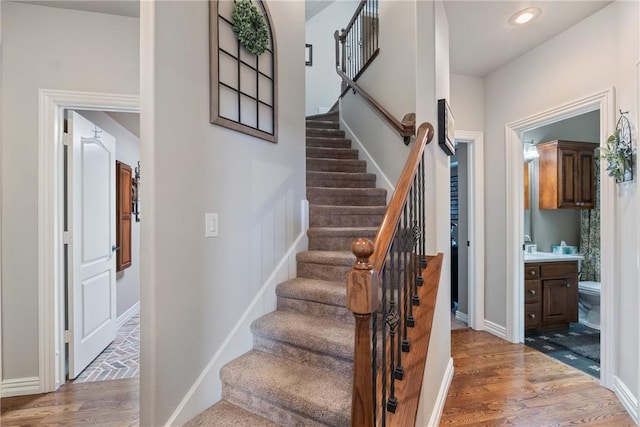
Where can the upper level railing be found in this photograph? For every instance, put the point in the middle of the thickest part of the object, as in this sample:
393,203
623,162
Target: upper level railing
384,293
356,47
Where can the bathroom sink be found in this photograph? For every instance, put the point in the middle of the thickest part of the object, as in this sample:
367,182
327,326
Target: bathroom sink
550,257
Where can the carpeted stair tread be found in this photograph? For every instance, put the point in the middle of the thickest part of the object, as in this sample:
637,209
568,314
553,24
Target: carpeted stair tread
336,165
322,124
316,393
347,196
337,133
331,116
339,258
322,291
337,238
331,153
318,141
225,414
341,179
316,334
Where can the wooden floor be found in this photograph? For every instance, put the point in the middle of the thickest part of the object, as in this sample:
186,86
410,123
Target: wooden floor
106,403
496,383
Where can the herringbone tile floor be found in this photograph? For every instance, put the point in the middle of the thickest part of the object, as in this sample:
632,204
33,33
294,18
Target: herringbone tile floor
120,360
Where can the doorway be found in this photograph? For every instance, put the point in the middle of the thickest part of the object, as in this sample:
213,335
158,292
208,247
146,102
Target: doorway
557,232
52,105
103,343
472,152
604,102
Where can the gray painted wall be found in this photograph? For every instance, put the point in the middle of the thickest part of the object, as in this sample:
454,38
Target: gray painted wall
195,289
573,65
44,47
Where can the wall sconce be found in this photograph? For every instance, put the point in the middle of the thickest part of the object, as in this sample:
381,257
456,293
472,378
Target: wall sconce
135,199
530,151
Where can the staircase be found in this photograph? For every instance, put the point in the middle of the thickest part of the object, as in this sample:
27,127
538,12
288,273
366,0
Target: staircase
300,369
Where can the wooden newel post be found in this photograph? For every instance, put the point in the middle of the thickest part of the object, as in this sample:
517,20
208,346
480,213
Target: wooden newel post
362,300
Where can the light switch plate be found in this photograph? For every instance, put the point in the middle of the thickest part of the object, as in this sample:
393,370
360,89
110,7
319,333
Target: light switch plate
211,225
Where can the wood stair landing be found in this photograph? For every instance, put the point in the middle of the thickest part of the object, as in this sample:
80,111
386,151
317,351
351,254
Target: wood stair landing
300,369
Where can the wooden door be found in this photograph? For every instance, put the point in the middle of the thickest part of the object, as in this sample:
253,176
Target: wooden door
123,215
91,283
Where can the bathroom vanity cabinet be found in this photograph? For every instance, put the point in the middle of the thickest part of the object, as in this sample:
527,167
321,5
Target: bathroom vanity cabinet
550,294
566,174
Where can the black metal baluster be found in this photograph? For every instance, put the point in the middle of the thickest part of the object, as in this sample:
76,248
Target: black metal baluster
374,365
417,232
407,243
412,273
423,259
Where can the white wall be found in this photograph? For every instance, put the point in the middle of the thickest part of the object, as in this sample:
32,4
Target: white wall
127,151
467,102
322,83
50,48
194,289
594,55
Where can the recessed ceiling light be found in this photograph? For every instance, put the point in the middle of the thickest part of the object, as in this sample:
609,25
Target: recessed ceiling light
524,16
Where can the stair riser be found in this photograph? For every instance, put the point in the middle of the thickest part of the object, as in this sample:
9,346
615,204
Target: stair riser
298,354
334,273
335,243
349,166
347,200
274,412
316,309
327,133
328,142
327,220
319,153
317,124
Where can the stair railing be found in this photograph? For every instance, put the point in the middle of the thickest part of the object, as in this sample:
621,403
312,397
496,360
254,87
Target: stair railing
383,292
356,47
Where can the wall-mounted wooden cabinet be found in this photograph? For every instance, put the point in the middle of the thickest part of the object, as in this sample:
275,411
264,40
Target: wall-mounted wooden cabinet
566,175
123,215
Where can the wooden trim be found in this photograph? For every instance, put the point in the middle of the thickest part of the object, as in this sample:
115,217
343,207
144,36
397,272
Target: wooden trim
387,230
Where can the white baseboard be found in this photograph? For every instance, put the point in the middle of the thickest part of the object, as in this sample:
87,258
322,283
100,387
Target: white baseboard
20,386
207,389
382,180
434,420
463,317
628,400
124,317
495,329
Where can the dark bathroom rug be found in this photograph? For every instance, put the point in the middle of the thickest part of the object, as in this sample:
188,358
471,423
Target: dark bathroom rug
578,346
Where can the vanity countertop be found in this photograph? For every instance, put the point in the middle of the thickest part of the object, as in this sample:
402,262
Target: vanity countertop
550,257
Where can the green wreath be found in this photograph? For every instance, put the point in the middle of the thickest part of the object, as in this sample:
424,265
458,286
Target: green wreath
249,27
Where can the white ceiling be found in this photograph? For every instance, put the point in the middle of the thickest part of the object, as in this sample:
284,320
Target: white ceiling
482,40
129,8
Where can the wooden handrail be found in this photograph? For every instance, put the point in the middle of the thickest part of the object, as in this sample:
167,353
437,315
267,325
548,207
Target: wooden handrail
406,128
355,16
386,233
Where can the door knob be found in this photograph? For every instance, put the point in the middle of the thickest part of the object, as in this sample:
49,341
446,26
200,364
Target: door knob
533,316
532,291
115,248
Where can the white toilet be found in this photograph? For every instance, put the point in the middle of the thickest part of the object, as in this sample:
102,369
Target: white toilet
589,304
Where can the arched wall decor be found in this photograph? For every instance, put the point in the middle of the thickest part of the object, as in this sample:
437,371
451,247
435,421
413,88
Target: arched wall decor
243,86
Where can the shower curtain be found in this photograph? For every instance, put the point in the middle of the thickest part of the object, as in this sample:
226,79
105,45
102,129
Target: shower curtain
590,235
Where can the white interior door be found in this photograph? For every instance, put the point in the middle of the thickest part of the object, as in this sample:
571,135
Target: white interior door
92,230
